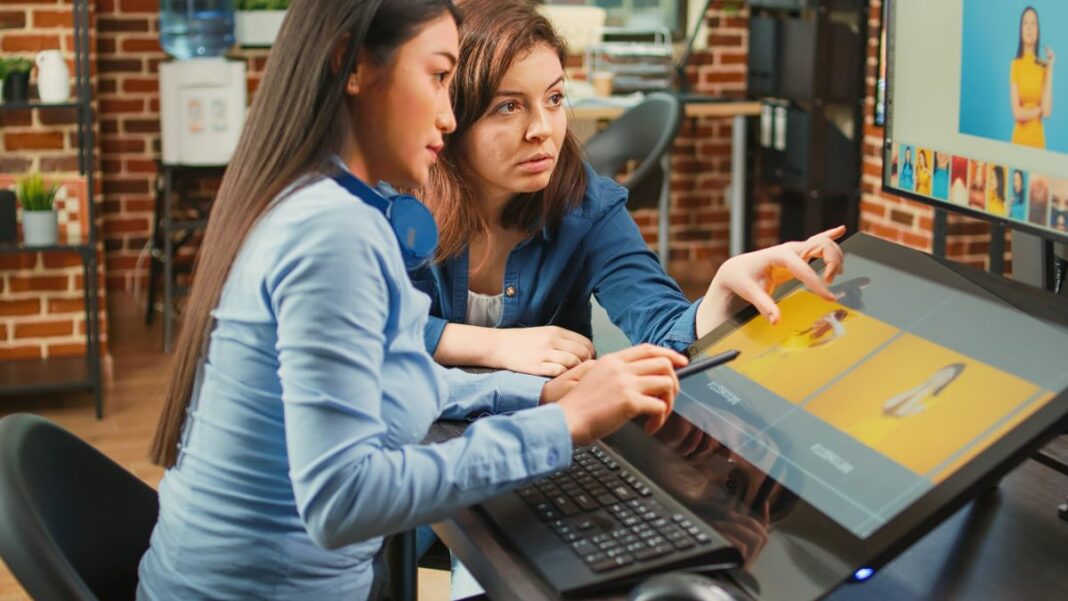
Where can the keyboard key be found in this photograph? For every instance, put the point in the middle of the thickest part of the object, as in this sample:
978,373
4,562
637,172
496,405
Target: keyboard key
584,548
535,499
583,525
659,523
702,538
584,502
623,493
650,516
628,539
678,517
631,521
686,524
606,498
645,491
693,530
594,557
635,547
571,537
655,540
620,533
683,543
611,564
616,552
565,505
608,544
646,534
651,552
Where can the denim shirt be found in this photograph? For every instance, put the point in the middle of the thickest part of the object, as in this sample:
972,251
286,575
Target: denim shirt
302,442
549,278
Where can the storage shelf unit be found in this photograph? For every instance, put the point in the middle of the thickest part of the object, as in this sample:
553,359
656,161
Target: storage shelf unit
807,59
59,374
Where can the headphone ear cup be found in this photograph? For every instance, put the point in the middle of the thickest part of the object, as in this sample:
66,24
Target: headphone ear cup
416,230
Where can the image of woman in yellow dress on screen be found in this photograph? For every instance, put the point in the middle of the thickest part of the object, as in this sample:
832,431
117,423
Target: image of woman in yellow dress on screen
923,173
907,404
1031,84
995,193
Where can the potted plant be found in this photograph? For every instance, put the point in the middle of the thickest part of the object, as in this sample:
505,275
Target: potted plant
257,22
17,79
39,225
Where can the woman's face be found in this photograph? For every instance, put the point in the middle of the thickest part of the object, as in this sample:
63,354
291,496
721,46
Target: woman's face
514,147
1017,182
1029,29
402,109
923,160
941,160
908,156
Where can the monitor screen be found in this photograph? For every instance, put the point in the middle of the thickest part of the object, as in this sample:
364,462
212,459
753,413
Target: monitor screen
977,117
843,432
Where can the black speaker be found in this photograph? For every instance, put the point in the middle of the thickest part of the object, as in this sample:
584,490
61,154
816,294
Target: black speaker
7,217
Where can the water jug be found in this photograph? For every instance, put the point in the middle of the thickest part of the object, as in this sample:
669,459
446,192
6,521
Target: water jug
196,28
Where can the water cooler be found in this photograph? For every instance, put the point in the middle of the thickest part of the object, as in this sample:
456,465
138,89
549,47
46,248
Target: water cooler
203,96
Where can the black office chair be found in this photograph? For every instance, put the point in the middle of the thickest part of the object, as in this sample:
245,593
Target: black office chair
643,135
73,524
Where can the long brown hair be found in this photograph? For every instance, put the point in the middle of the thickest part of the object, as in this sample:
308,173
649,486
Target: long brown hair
297,124
493,35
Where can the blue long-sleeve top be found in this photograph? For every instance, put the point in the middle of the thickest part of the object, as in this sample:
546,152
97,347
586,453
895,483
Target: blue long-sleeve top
302,443
549,278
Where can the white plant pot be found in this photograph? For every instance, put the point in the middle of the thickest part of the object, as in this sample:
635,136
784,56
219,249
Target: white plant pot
39,228
257,27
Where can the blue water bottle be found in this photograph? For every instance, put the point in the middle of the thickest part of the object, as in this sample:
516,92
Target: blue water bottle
196,28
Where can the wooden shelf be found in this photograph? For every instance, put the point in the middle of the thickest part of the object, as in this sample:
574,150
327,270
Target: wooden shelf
37,376
36,104
10,249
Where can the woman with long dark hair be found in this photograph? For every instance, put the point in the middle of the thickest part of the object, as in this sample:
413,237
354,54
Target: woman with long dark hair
530,233
1031,83
301,389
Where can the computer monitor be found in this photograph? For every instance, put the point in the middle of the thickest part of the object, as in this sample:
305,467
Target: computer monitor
977,118
850,429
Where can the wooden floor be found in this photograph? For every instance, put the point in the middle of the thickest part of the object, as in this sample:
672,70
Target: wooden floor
131,408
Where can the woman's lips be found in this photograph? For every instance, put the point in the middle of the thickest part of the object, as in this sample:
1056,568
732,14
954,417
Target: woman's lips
537,165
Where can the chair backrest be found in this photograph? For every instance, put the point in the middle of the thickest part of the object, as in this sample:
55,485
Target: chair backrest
643,134
73,524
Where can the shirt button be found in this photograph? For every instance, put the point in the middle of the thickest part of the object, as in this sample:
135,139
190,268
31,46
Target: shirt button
509,291
553,457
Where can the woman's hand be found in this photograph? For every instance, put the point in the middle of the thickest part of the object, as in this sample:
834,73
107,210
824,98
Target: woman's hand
637,381
555,389
753,276
545,351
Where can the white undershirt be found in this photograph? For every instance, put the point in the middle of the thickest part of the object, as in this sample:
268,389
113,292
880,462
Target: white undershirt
484,310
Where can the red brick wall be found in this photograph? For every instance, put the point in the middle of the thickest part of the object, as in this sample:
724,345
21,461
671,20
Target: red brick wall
699,213
41,309
130,128
897,219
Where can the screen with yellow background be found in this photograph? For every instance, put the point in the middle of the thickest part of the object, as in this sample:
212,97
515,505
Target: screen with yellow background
814,342
919,403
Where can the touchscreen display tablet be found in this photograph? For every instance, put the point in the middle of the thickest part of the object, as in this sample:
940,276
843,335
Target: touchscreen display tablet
850,428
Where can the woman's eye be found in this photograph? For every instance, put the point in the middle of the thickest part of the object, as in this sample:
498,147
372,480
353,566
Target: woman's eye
556,99
442,76
508,108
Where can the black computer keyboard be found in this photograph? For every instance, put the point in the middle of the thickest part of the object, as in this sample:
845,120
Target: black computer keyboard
601,521
641,528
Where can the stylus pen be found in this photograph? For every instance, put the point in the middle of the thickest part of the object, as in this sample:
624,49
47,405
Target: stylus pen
707,363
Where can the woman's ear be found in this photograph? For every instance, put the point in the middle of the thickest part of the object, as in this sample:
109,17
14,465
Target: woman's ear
337,60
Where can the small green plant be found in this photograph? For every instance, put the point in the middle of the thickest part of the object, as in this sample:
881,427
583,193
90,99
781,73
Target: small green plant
262,4
34,195
17,64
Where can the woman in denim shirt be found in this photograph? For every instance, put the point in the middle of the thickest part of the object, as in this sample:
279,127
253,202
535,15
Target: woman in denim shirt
529,232
301,389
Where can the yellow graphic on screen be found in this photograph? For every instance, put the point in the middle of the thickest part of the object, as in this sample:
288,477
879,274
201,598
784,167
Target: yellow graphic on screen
919,403
814,342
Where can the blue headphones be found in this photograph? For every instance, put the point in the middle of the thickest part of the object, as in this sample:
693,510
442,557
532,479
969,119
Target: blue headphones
412,222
